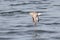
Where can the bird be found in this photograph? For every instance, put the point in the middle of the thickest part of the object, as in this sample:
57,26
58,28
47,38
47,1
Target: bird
35,17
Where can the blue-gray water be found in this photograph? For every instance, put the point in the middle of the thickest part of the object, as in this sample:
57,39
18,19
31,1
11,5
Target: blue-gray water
16,23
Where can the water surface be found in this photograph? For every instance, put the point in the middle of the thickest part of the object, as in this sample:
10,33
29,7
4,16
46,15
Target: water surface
16,23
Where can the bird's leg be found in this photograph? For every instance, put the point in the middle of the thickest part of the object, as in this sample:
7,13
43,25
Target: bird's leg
38,19
33,19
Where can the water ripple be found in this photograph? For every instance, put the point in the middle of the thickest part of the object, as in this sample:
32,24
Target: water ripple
10,0
51,23
56,37
40,31
5,38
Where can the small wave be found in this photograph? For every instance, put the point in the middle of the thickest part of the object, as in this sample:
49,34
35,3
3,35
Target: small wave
35,2
13,29
12,32
55,37
31,2
10,0
29,26
40,2
39,31
22,4
19,4
56,5
44,31
51,17
23,26
41,39
40,8
19,26
11,13
5,38
51,23
16,32
44,0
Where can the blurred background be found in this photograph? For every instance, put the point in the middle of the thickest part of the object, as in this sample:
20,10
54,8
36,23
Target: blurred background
16,23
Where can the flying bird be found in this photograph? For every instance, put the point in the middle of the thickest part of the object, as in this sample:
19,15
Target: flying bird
35,16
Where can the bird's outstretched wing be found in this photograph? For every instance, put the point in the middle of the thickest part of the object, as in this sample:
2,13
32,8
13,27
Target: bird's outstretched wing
30,14
39,14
